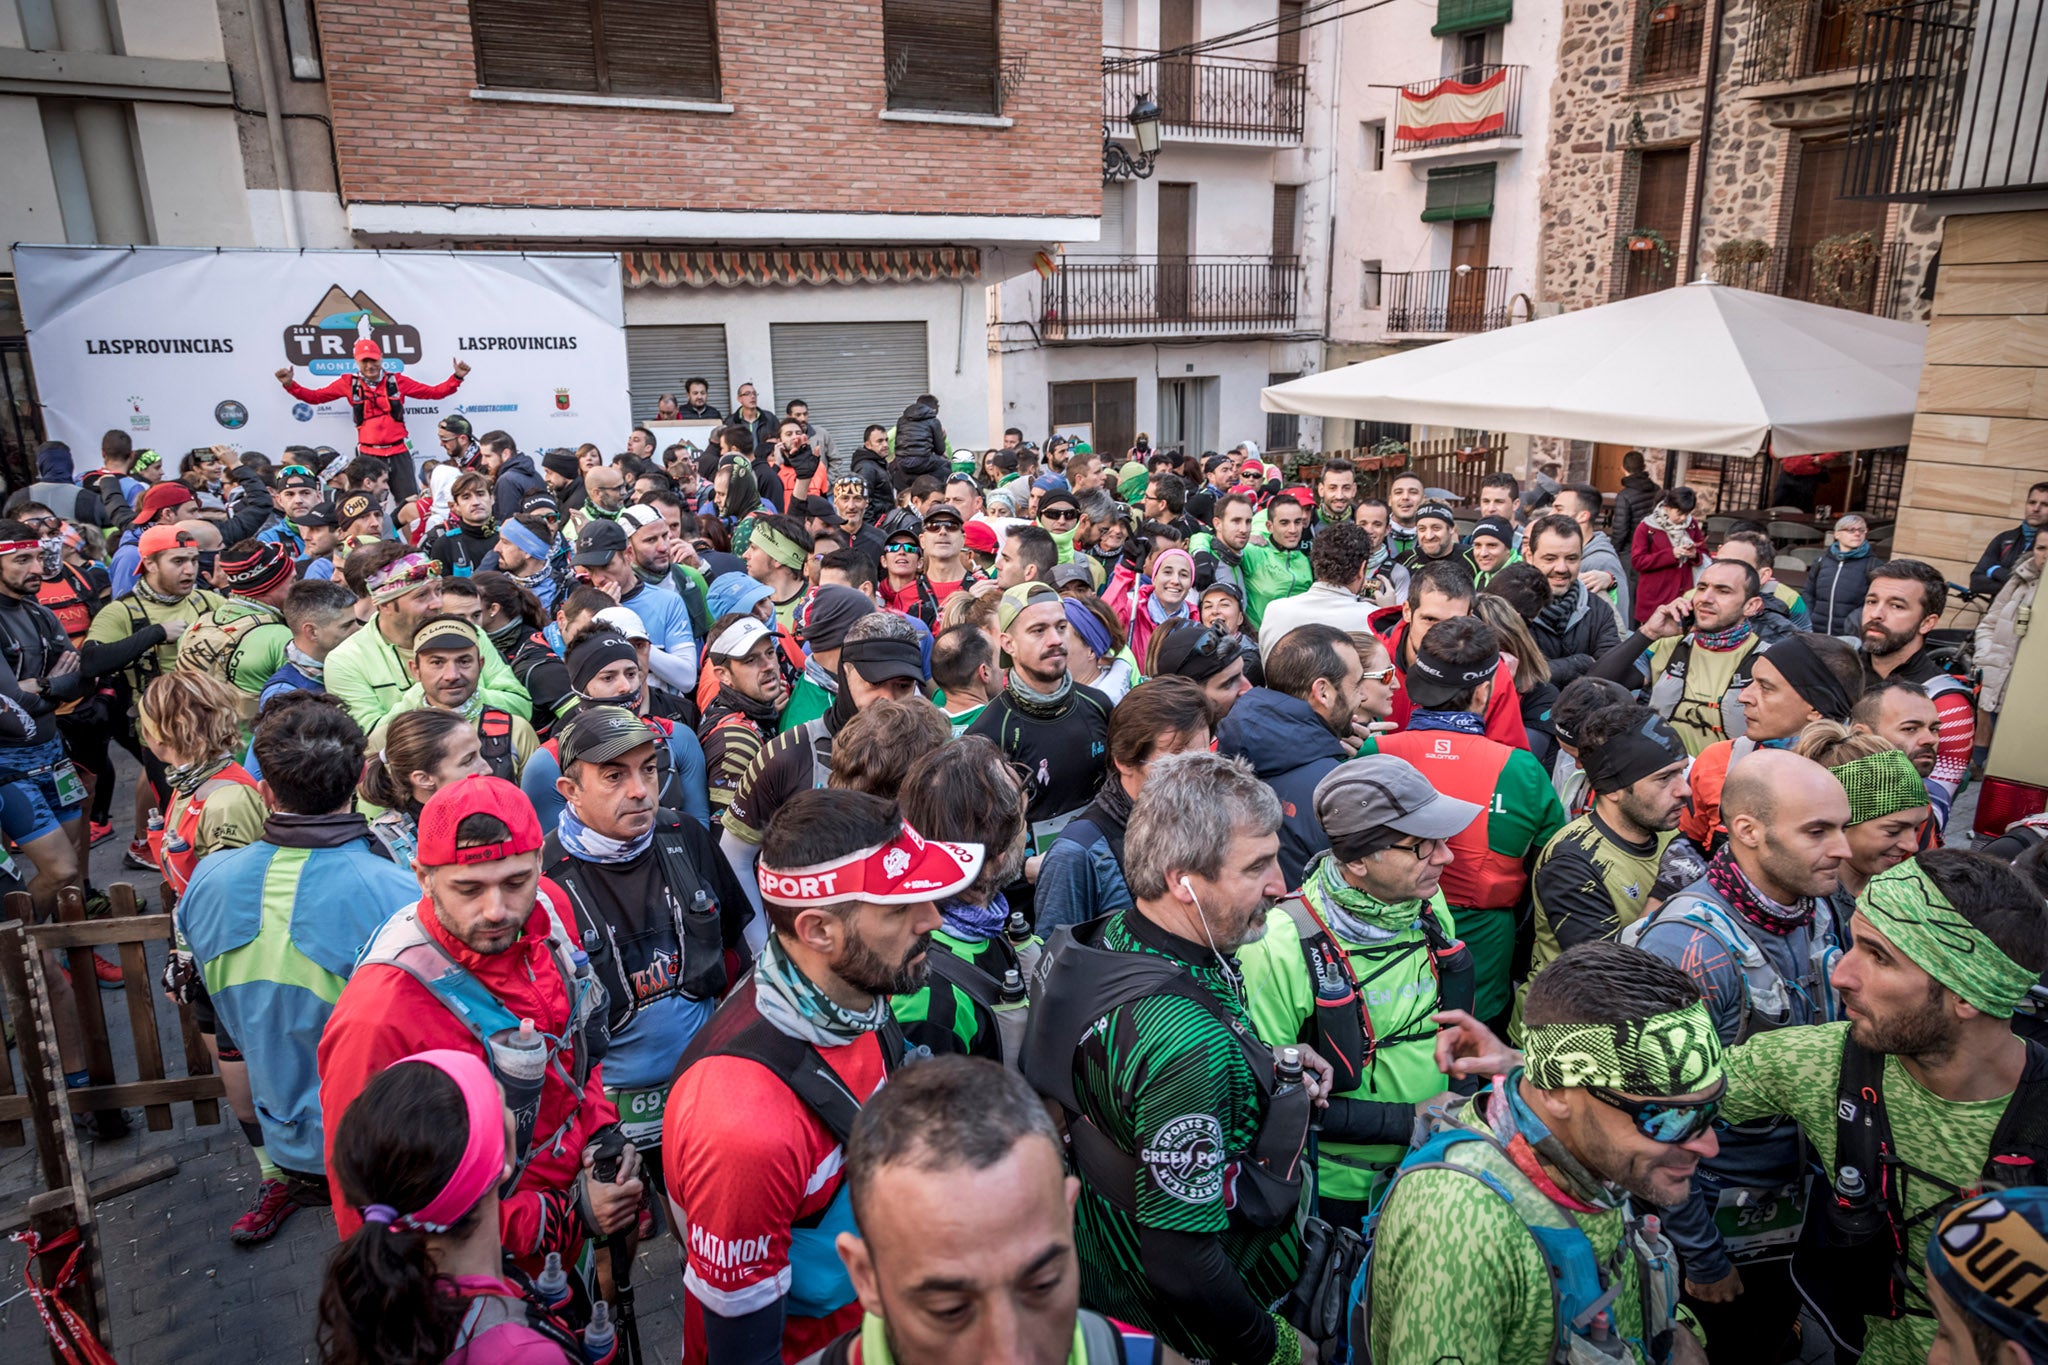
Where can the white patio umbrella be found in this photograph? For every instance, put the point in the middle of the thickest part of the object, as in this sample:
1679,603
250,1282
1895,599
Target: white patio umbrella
1705,368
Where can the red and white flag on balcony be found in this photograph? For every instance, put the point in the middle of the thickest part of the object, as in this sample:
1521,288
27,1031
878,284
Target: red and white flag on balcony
1453,108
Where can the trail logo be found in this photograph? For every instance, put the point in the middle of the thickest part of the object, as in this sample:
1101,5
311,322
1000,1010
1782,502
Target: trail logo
325,342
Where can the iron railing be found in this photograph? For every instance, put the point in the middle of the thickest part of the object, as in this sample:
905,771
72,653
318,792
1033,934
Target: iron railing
1862,280
1792,39
1445,301
1646,272
1207,94
1509,123
1672,37
1448,462
1951,98
1171,295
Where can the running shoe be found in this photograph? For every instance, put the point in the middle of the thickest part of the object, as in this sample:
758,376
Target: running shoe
108,974
138,857
274,1203
97,904
101,832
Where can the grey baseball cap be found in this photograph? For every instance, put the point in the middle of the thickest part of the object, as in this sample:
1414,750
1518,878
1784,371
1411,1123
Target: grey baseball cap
1371,801
598,734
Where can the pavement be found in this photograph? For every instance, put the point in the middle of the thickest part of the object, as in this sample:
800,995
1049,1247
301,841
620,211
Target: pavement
178,1290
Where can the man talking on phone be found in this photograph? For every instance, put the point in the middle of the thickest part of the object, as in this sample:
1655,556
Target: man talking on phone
1696,676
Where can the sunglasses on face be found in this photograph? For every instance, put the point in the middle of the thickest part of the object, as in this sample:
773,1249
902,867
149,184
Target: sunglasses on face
1060,514
1378,675
902,547
1661,1120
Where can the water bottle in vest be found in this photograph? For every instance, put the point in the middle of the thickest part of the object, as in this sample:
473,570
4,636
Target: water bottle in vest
600,1339
1018,931
552,1284
520,1057
1289,1072
1013,987
1858,1213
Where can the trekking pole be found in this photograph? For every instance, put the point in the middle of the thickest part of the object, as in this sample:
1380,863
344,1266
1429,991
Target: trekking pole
611,1151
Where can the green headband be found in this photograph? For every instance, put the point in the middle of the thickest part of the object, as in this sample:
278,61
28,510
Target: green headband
1678,1053
1905,905
1880,784
778,547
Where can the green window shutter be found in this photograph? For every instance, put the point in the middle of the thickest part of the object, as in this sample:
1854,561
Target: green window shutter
1457,192
1460,16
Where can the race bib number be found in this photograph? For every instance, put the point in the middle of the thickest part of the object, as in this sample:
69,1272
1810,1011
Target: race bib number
70,787
1755,1222
640,1114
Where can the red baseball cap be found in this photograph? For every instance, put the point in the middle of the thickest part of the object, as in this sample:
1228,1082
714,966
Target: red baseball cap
367,349
904,871
162,497
981,537
1306,497
477,794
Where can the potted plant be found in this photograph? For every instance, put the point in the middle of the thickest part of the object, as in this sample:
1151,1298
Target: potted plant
1649,239
1843,267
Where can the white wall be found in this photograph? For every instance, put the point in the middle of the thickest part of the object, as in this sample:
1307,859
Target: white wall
1379,214
189,160
185,29
955,315
28,211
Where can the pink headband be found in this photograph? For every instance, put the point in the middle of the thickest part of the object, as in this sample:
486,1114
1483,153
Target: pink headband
483,1158
1165,555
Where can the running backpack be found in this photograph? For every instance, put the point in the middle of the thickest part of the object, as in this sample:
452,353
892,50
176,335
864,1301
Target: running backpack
149,667
213,644
1583,1289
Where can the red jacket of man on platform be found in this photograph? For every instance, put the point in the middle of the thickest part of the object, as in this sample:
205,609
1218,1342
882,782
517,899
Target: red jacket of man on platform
385,1014
1503,709
379,433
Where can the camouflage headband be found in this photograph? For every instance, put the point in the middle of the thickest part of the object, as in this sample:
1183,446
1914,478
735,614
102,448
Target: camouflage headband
1905,905
1880,784
1678,1053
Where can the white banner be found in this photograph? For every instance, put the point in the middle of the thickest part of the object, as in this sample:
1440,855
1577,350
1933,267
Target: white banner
180,347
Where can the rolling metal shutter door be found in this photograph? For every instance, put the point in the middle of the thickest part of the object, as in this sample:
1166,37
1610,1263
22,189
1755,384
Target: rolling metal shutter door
851,373
659,359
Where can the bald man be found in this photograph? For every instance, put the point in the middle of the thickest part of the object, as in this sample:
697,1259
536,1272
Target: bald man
1764,898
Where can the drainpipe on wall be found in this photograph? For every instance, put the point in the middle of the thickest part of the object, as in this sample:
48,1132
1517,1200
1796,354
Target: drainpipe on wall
1707,106
273,124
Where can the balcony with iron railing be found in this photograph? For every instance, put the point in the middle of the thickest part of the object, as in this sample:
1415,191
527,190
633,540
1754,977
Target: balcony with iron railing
1157,296
1207,97
1856,271
1951,99
1445,302
1798,40
1474,105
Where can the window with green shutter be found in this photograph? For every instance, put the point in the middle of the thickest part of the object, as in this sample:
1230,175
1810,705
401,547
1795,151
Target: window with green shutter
1459,192
1462,16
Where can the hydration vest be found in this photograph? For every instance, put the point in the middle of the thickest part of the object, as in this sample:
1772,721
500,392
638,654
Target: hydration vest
1667,693
69,598
1582,1286
174,847
358,399
696,919
1342,1022
494,731
985,988
1852,1262
818,1282
403,943
1766,994
1077,984
150,666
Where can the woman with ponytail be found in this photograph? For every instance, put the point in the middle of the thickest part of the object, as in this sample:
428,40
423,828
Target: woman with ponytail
423,751
420,1154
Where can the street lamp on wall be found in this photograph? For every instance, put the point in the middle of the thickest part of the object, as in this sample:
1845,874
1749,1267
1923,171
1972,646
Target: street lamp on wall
1118,164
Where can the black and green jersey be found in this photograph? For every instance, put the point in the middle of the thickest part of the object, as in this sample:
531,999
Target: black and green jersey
940,1016
1589,884
1168,1082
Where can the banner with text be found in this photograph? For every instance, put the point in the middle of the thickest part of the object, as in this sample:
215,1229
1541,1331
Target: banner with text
180,347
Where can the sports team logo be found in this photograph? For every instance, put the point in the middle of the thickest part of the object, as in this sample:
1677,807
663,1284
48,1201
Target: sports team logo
325,342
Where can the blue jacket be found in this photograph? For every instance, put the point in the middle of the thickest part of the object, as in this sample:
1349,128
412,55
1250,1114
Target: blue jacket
1080,879
275,960
537,779
1291,750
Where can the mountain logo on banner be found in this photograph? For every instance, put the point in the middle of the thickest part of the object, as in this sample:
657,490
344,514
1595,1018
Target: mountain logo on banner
325,342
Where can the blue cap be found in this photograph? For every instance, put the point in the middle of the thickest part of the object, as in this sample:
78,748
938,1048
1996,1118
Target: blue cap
734,592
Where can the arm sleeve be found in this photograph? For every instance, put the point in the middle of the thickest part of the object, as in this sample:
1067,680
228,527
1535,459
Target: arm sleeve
1958,732
1573,897
740,856
412,388
112,647
114,509
1622,664
675,670
1370,1122
1199,1289
689,759
10,688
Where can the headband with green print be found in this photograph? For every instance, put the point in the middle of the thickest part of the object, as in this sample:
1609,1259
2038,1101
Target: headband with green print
1677,1053
1905,905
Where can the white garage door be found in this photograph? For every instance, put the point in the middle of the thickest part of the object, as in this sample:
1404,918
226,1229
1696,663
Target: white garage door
850,373
659,359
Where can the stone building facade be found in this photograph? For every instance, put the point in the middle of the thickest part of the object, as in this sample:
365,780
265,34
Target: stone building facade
1628,107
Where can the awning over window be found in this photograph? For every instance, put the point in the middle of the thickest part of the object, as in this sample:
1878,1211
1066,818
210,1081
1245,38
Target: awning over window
701,269
1459,192
1462,16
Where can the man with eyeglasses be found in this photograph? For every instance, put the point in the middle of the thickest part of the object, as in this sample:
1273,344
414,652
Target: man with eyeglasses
1520,1230
1370,915
1757,936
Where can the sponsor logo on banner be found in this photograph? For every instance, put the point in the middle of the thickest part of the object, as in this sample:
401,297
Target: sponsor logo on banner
138,420
553,343
302,412
325,342
486,407
231,414
562,399
159,345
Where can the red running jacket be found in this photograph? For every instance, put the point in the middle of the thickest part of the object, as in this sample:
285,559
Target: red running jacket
379,433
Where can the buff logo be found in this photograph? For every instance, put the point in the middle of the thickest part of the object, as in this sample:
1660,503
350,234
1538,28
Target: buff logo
777,886
1185,1158
718,1253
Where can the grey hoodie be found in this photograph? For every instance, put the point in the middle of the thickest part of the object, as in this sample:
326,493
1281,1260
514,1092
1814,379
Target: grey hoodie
1600,555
